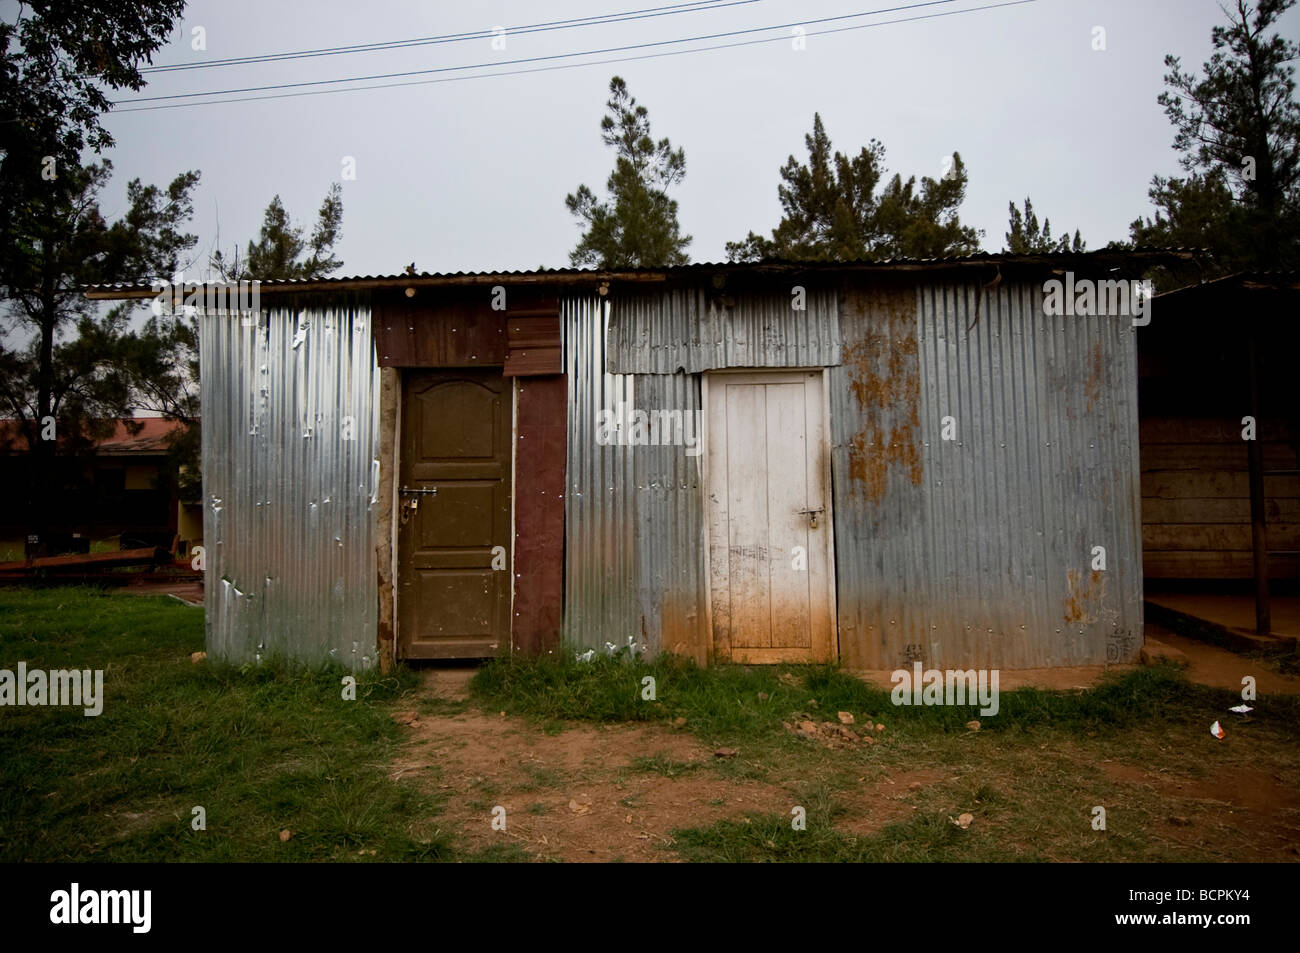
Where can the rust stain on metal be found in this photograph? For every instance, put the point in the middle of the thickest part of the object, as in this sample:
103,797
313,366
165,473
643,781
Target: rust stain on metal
681,628
884,376
1082,595
1096,370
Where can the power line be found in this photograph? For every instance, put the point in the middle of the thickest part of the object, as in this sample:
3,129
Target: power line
562,66
695,6
532,59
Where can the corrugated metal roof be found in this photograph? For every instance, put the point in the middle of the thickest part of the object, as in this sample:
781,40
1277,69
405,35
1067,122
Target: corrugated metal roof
147,287
1274,280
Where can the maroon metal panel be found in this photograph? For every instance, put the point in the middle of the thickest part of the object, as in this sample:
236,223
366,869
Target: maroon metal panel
539,513
439,331
437,328
534,341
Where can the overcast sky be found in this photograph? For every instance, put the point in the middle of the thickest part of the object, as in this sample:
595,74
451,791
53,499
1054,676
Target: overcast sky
472,174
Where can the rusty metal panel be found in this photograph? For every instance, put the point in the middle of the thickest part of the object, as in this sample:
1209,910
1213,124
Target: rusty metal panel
977,551
697,329
634,555
290,423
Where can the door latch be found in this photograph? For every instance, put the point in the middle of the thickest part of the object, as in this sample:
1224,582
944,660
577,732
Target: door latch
411,500
812,516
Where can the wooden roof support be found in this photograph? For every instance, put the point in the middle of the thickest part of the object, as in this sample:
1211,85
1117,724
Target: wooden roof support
1255,463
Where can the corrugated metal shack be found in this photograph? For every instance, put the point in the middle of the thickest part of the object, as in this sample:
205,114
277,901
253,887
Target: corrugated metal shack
871,462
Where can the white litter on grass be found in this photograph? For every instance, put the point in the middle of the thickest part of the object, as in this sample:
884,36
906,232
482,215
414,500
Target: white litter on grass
586,656
1217,730
1241,709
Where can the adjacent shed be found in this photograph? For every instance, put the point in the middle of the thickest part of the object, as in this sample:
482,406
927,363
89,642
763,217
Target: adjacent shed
874,462
1220,425
117,487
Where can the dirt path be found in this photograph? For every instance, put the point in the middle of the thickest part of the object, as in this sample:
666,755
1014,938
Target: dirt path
187,590
580,796
617,792
570,796
1219,668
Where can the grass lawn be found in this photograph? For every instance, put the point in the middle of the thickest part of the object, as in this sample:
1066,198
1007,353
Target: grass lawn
708,770
260,751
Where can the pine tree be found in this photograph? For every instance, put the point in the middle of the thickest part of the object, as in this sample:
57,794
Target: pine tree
280,247
1237,126
1025,237
636,227
833,211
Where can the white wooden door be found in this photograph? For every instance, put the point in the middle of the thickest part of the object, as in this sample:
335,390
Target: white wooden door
770,545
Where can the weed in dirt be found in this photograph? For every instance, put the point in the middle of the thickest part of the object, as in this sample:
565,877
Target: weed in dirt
434,706
662,764
497,854
540,777
772,839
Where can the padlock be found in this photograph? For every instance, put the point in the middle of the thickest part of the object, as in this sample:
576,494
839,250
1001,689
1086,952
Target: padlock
409,506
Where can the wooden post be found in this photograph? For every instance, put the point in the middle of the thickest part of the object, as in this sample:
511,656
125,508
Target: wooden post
1255,462
390,391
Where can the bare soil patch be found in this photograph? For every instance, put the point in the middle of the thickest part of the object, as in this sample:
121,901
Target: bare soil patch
579,795
883,802
1259,808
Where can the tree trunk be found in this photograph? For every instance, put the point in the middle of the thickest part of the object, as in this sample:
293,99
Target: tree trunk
43,496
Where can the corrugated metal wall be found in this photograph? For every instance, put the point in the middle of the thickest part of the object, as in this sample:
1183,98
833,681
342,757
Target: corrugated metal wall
977,551
634,515
634,552
289,525
689,329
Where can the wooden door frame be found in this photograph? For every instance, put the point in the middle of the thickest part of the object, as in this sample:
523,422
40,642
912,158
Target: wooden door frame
705,486
395,509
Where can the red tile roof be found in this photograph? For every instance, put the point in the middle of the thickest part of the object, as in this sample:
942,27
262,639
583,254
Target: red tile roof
152,438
